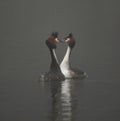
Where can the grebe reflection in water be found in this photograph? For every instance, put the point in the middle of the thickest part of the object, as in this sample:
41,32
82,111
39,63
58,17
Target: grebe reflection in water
65,64
61,109
55,72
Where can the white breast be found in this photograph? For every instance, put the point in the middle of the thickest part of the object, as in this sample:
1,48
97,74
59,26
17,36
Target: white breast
65,71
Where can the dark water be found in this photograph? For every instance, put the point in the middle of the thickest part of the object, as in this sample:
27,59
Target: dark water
25,25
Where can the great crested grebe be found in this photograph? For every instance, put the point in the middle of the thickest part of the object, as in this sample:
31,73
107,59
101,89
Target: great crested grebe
65,64
55,72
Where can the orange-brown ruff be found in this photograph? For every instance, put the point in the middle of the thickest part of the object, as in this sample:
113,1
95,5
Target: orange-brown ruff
65,64
55,72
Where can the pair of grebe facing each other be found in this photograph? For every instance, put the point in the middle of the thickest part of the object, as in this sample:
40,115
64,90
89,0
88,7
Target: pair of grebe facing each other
64,71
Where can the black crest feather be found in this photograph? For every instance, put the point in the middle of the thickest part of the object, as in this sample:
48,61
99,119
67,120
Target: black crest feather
55,34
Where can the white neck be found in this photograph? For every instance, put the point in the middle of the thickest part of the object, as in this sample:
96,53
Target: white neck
66,60
54,53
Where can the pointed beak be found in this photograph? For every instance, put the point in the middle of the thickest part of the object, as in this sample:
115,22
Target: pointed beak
57,40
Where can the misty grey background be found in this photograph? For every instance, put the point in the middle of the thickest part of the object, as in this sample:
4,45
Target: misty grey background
24,27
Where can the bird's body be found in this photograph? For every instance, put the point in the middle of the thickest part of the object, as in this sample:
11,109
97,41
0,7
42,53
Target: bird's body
54,72
65,64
